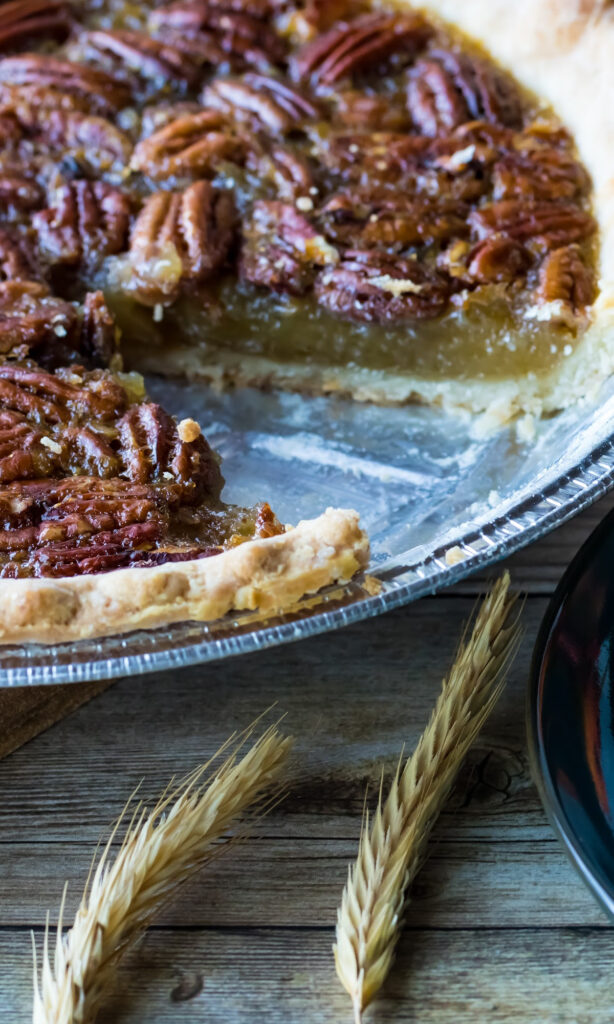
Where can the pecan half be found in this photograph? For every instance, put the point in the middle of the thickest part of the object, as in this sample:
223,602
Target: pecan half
371,157
126,546
366,217
97,143
62,397
544,225
180,239
17,259
100,91
41,96
193,14
178,59
33,131
99,335
241,37
498,259
151,450
86,222
475,143
19,194
287,171
23,21
281,249
359,45
564,277
447,89
543,173
261,100
21,453
370,111
80,525
317,16
33,321
191,146
370,287
55,332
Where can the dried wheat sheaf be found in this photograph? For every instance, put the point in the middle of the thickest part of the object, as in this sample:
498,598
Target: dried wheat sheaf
392,847
160,851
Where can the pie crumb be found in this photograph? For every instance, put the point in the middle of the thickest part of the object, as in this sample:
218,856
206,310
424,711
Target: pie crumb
454,555
188,430
52,445
394,285
372,585
525,428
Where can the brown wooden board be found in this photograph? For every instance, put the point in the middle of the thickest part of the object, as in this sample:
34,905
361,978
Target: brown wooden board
28,711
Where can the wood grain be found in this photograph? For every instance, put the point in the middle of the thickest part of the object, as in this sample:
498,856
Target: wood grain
285,976
500,928
28,711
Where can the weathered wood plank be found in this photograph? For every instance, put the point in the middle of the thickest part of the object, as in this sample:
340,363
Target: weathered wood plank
287,977
27,711
352,698
277,882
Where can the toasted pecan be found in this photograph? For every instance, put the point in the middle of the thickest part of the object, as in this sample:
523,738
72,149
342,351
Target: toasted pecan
360,44
371,216
268,102
243,39
180,239
543,173
565,277
25,21
99,334
86,222
448,89
176,59
190,146
369,286
99,90
282,250
543,224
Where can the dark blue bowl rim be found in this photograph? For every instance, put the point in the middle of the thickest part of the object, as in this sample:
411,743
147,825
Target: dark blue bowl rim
602,889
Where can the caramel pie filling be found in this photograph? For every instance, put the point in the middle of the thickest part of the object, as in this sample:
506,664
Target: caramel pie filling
315,182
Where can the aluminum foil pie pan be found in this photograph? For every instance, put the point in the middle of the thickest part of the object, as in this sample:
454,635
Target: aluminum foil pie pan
438,502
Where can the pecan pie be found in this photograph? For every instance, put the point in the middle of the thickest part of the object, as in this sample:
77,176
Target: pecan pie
402,203
396,204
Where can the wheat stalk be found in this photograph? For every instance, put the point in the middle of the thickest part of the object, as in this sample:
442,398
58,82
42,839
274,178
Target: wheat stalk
159,852
391,849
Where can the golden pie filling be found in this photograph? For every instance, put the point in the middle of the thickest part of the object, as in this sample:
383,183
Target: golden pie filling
310,184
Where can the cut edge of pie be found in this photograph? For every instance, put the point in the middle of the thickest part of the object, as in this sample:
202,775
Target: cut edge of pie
561,52
269,575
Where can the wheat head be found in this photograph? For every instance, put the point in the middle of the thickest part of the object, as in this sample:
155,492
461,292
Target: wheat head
392,847
160,851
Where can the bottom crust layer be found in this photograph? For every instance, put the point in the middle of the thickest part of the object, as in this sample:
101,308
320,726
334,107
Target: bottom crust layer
268,576
576,377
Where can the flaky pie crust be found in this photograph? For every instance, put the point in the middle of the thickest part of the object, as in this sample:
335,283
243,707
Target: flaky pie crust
269,575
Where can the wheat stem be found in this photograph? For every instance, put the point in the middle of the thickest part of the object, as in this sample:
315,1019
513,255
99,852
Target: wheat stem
160,851
392,847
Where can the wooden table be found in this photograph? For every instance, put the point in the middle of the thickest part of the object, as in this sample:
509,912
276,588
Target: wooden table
500,928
